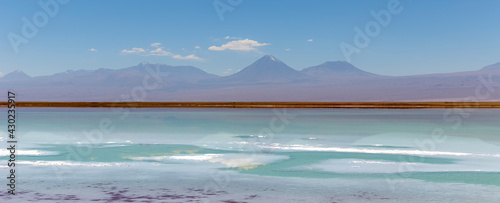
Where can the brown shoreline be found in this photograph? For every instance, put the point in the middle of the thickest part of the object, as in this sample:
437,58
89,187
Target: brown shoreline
358,105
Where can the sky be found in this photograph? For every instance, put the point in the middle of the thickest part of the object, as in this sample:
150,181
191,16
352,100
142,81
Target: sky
387,37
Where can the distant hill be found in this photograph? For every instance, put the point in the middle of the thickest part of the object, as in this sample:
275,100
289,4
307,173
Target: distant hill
493,67
267,79
336,69
126,77
14,76
267,69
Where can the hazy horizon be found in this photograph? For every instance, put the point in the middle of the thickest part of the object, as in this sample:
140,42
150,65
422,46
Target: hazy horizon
223,75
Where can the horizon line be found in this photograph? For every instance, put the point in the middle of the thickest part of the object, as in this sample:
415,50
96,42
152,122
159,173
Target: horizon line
260,104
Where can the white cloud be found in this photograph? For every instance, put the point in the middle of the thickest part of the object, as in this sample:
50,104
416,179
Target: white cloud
229,37
288,49
1,74
227,71
160,51
239,45
93,50
197,47
310,40
188,57
134,50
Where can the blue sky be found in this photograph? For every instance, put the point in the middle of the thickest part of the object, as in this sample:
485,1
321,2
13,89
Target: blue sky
424,37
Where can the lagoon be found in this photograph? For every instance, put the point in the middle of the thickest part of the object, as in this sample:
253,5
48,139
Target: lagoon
256,155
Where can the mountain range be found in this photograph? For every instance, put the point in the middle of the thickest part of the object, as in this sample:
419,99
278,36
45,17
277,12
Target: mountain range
267,79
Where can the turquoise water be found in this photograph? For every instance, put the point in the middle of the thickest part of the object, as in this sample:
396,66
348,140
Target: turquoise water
256,155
